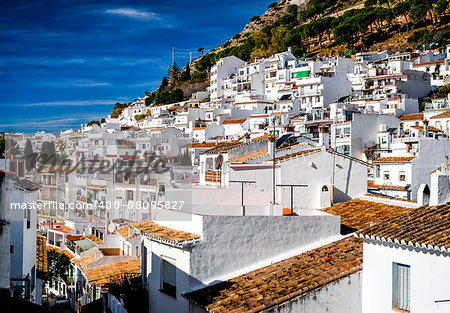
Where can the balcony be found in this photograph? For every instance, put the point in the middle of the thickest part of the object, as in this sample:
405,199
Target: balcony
213,177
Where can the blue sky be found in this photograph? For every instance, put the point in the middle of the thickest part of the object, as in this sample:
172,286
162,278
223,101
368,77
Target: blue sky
66,62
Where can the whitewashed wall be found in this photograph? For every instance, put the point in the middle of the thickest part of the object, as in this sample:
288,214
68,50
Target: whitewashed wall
430,276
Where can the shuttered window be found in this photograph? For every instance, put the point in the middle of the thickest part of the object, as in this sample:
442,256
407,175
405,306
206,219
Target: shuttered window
400,286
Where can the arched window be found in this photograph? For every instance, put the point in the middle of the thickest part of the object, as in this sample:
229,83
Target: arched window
324,188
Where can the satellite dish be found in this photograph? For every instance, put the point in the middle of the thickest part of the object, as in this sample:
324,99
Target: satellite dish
219,162
111,227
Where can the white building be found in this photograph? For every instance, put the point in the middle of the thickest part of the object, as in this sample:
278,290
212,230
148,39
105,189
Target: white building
221,71
406,263
353,137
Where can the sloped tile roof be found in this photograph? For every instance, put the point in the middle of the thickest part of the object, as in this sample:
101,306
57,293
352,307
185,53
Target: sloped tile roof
370,184
442,115
430,128
394,159
202,145
222,148
235,121
124,232
63,229
74,238
429,63
249,156
94,239
151,228
412,117
104,275
87,257
262,137
295,155
282,281
359,214
427,227
41,255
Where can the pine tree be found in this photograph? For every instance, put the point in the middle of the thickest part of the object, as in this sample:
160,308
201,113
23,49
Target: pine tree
29,156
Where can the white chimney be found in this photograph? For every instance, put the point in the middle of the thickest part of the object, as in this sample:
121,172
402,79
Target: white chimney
324,136
271,146
425,128
440,189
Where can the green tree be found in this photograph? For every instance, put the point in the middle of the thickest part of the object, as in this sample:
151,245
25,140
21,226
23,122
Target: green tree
403,8
443,91
440,7
185,159
118,108
48,153
186,74
164,83
139,117
201,49
30,157
2,147
58,266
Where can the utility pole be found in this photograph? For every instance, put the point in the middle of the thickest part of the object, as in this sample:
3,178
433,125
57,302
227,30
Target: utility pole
292,193
190,57
242,182
273,163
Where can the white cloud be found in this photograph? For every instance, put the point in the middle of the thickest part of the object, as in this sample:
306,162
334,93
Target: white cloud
89,83
135,14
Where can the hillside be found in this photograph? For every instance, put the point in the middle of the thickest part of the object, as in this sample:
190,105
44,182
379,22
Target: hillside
335,27
319,27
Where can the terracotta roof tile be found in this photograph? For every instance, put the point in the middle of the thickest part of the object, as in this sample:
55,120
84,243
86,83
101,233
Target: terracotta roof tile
94,239
63,229
425,226
429,63
124,232
370,184
394,159
411,117
296,154
202,145
262,137
442,115
280,282
151,228
235,121
358,214
41,255
248,156
104,275
430,128
87,257
74,238
222,148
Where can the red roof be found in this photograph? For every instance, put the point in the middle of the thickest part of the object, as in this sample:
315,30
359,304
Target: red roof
429,63
63,229
235,121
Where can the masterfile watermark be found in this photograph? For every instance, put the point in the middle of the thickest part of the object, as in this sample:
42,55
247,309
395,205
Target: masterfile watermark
98,205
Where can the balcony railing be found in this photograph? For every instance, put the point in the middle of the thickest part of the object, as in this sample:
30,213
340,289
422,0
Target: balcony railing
213,176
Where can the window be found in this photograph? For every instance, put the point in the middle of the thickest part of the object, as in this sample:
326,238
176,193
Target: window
386,175
401,176
168,277
400,286
129,195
